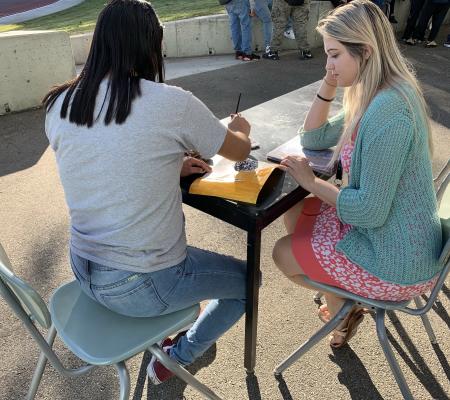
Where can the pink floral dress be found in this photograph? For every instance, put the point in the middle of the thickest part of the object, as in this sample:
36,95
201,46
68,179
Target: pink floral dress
317,232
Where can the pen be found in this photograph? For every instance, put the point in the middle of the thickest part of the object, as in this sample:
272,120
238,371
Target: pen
237,105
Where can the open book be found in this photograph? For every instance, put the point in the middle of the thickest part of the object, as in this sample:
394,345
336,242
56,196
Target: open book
319,159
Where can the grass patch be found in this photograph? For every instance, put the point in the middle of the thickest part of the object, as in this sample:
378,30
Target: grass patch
82,18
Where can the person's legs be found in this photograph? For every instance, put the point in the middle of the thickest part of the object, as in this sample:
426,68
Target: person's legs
235,26
447,42
300,17
203,275
289,266
290,217
439,14
392,11
208,275
263,13
416,7
285,261
246,26
427,12
280,14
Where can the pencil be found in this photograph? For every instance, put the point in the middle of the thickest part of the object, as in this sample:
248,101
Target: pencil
237,105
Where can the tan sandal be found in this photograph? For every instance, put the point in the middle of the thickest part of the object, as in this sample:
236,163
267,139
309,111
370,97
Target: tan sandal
348,329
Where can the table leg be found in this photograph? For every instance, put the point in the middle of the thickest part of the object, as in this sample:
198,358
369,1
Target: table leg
251,310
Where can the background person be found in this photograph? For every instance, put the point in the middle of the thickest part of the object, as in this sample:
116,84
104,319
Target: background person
260,8
379,237
241,28
119,135
298,10
437,11
414,13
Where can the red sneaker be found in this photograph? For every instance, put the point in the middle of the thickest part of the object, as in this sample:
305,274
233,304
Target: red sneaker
157,372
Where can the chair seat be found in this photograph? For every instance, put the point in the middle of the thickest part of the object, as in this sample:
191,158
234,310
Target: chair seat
383,304
99,336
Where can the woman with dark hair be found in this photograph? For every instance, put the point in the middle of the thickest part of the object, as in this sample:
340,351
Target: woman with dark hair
120,134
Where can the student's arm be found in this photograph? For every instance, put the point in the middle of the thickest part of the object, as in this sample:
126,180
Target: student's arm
236,146
318,113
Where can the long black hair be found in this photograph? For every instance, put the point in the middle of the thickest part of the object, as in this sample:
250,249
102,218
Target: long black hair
126,46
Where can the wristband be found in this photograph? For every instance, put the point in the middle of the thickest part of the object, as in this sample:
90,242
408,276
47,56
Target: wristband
324,99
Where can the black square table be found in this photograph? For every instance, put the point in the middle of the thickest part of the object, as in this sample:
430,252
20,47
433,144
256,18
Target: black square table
273,123
252,219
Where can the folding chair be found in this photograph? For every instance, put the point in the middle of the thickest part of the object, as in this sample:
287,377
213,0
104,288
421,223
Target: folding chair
379,308
93,333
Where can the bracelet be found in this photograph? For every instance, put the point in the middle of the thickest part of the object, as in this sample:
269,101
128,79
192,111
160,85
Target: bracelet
324,99
328,83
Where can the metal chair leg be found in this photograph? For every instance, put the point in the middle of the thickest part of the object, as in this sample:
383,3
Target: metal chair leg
426,321
124,378
179,371
316,338
393,364
39,371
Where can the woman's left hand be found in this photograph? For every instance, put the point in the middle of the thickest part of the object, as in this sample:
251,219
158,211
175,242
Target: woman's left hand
193,165
298,167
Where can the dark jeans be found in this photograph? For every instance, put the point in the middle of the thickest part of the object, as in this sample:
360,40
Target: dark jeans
430,10
414,12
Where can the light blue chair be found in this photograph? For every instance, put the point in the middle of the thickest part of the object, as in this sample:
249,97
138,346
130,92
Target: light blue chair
379,308
93,333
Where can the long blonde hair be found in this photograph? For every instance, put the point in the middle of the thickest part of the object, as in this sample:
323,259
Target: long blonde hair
360,25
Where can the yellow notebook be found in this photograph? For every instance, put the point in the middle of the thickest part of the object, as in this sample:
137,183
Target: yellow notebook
244,186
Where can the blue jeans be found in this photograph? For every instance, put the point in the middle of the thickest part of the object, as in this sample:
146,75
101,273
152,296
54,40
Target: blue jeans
263,13
240,25
201,276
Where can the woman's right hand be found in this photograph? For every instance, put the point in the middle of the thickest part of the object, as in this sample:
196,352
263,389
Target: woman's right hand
239,124
329,78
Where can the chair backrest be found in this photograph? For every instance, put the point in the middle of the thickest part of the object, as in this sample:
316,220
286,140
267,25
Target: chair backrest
21,296
443,197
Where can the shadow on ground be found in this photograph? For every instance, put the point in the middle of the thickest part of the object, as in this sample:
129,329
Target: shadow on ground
173,388
23,140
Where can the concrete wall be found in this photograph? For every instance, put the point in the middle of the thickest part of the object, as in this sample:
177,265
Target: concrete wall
208,35
31,62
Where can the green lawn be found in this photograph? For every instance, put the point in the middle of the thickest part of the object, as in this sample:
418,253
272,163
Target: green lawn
82,18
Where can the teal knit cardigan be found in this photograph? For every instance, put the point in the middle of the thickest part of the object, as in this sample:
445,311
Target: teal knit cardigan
390,199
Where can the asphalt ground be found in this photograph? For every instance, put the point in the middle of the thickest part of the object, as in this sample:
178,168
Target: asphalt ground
34,232
10,7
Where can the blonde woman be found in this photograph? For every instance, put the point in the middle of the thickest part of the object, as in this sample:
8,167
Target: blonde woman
380,236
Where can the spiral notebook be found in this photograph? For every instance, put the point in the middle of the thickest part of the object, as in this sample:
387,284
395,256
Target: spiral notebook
319,159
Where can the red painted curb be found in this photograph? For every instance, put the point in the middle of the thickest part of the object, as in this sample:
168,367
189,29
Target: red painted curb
11,7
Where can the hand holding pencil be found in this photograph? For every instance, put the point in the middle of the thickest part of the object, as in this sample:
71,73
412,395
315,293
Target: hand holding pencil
239,124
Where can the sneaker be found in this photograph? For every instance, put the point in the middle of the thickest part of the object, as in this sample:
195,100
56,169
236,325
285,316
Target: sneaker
410,42
393,20
271,54
431,44
250,57
305,54
157,372
447,42
289,34
239,55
